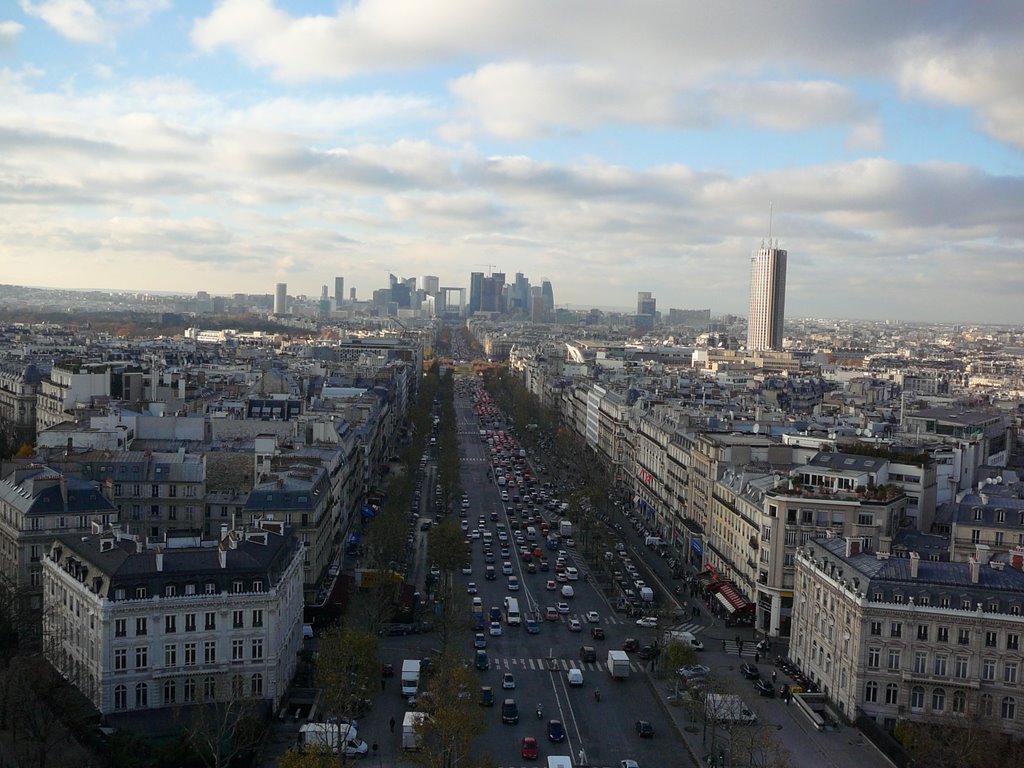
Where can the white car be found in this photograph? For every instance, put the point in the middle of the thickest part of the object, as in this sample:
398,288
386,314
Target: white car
568,591
508,681
513,584
593,617
551,586
467,570
495,629
506,568
575,626
650,622
572,574
563,608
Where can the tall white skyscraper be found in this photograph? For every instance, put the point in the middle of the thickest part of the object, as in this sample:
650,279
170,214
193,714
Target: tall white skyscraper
281,299
767,298
339,292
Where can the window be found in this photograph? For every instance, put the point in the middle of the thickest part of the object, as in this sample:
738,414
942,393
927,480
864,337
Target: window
120,659
170,655
876,628
975,536
237,620
120,627
210,620
896,629
985,702
959,702
256,686
942,635
257,585
1010,672
1008,709
991,639
190,622
940,666
211,588
922,631
988,669
170,623
871,692
236,586
190,589
963,636
938,699
1000,538
920,662
190,654
892,693
140,627
1012,642
237,650
155,491
170,692
121,697
873,657
960,666
141,593
209,688
257,648
170,590
210,652
141,695
141,657
894,659
257,618
188,690
916,698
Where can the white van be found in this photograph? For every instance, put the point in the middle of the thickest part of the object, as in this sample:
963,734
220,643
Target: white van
575,676
531,533
559,761
512,617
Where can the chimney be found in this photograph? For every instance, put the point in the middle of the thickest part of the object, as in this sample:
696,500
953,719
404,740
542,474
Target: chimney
222,555
70,447
974,568
852,546
983,553
1017,558
138,544
223,531
885,544
915,563
159,559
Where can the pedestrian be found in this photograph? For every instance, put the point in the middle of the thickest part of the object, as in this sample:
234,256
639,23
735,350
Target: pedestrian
391,723
383,683
757,657
774,675
723,644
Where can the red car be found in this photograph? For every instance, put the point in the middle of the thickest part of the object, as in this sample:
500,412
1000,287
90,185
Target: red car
529,749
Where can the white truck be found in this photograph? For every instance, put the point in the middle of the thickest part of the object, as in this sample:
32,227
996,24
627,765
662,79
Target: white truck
686,638
410,737
565,527
647,594
410,677
727,708
328,735
618,664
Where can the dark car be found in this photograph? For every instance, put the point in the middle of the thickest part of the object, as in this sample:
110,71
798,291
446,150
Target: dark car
647,652
495,613
587,653
509,712
597,633
396,630
764,688
556,732
486,696
644,729
482,663
631,644
750,672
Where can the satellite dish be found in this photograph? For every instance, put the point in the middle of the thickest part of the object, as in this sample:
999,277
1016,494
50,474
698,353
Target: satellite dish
859,431
868,433
757,428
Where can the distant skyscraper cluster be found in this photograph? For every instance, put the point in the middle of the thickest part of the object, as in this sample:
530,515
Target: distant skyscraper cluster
489,293
767,298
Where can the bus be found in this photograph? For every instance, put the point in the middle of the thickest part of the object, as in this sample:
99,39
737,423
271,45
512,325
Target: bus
512,617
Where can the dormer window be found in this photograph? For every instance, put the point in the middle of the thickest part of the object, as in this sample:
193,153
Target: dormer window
257,585
1000,515
170,590
977,514
236,586
141,593
211,588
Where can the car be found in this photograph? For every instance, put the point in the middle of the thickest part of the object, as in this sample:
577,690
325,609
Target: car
471,588
494,614
532,627
575,677
506,568
482,662
693,671
528,748
531,568
561,578
509,712
490,574
513,584
648,622
592,617
597,633
550,586
486,696
750,671
631,645
479,640
467,570
489,557
495,629
551,613
644,729
647,652
764,688
574,625
588,653
508,681
568,592
505,553
563,608
629,764
556,731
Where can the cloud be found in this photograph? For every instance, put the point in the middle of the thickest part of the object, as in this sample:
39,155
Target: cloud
9,31
93,22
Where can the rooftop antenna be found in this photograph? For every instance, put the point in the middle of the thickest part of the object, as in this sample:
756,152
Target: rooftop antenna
770,211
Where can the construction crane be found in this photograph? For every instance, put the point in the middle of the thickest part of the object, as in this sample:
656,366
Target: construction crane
490,267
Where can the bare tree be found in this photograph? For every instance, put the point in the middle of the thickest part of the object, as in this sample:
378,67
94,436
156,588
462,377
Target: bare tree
221,731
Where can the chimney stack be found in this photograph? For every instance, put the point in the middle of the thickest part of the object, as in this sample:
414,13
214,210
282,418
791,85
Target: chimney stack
1017,558
853,546
983,553
975,569
222,555
138,544
70,447
915,563
223,531
159,559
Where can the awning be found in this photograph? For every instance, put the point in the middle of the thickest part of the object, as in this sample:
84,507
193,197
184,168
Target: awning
725,602
730,595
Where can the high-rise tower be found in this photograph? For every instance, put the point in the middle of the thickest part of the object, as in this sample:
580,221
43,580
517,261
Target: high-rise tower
281,299
339,292
767,298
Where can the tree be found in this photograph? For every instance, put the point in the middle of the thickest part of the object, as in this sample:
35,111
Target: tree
447,547
453,719
308,757
347,672
218,733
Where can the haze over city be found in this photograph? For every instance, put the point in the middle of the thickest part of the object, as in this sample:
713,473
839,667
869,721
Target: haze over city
610,147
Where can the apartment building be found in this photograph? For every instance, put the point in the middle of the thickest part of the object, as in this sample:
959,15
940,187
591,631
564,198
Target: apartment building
71,384
140,624
898,638
19,385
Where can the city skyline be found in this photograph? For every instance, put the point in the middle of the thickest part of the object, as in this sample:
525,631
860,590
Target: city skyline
234,145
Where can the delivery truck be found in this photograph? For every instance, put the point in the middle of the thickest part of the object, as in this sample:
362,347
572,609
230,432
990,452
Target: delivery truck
410,677
410,736
329,734
618,664
727,708
565,527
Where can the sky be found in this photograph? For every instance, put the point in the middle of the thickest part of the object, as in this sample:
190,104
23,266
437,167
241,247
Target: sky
611,147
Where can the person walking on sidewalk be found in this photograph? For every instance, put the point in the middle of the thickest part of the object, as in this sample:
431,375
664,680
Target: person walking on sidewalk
391,723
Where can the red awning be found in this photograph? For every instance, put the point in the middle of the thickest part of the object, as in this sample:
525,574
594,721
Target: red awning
735,598
725,603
